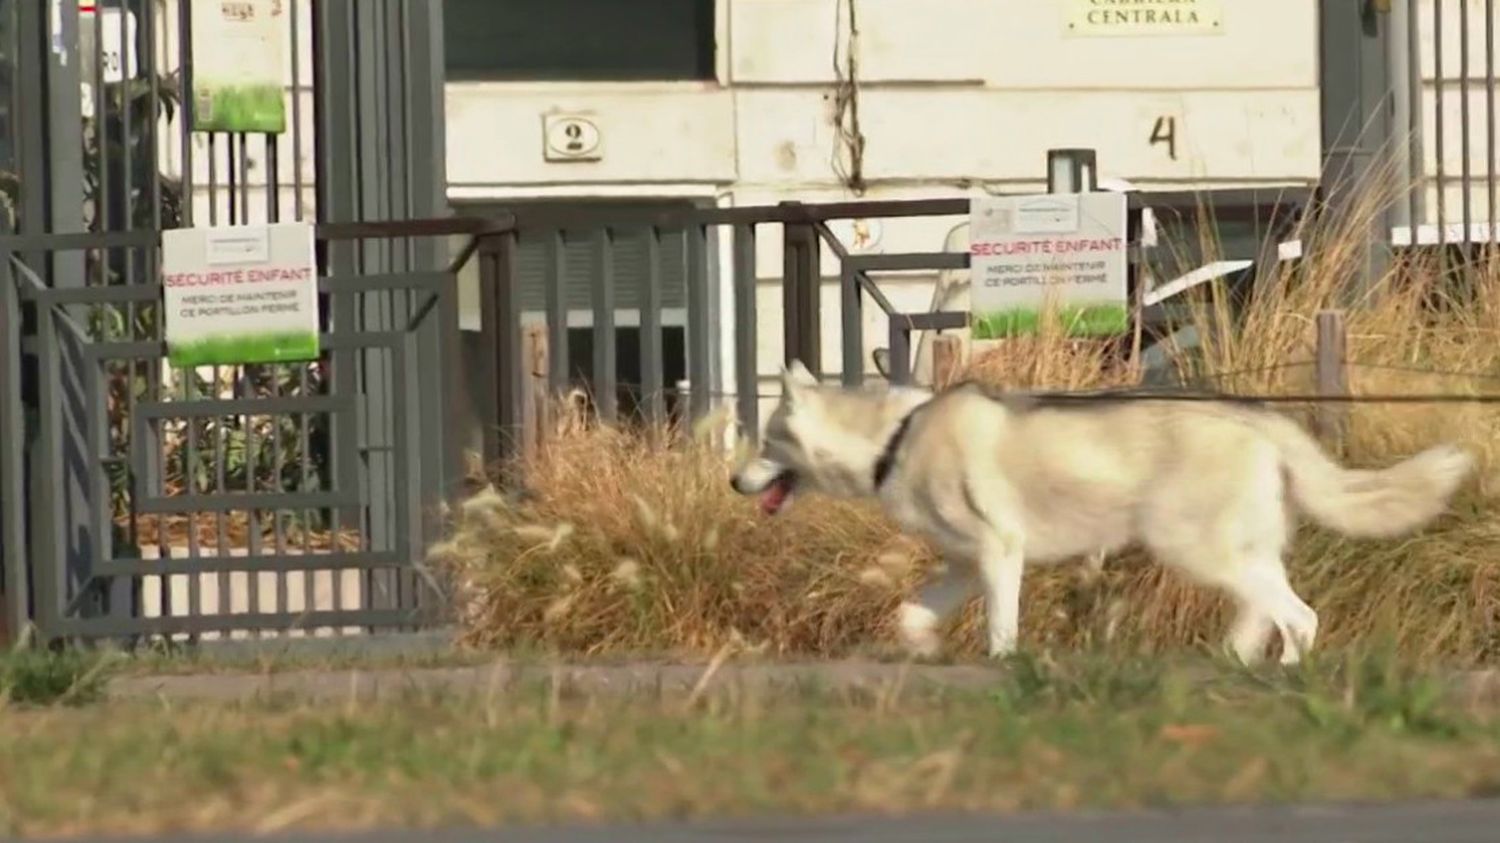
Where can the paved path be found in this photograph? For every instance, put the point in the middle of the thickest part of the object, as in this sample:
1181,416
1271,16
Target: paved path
1464,822
638,677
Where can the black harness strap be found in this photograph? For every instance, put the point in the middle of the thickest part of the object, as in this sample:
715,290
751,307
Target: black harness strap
887,460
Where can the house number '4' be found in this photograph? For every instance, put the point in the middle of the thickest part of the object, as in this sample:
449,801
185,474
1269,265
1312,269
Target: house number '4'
1165,131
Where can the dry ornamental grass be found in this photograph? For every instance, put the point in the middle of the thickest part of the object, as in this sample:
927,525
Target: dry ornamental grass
631,543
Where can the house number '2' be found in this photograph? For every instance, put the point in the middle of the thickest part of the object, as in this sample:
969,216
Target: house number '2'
1165,131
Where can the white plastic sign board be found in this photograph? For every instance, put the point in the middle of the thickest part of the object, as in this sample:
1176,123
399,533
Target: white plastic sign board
239,53
105,25
243,294
1062,254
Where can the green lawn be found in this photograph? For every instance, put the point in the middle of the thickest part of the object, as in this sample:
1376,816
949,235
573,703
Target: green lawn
1091,732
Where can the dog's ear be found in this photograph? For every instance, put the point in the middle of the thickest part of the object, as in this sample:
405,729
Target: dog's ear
796,380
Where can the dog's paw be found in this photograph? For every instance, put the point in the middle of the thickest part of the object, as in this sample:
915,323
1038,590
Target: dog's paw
925,645
919,635
1002,647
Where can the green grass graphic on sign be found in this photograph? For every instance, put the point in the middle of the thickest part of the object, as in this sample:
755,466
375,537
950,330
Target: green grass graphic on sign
1074,320
275,347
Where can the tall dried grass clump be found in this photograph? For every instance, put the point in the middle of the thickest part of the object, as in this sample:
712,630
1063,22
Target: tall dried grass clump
632,543
627,543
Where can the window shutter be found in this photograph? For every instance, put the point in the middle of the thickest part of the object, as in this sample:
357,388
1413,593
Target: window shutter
581,256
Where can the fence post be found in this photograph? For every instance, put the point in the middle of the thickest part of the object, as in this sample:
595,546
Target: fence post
536,395
801,291
1330,420
1072,171
505,368
947,355
1355,89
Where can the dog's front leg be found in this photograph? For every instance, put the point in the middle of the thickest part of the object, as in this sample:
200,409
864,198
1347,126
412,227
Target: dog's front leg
920,618
1000,567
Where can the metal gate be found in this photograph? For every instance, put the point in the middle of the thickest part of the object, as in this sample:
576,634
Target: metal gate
139,500
1409,102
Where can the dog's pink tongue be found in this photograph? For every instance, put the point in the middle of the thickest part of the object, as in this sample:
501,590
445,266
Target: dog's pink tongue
775,497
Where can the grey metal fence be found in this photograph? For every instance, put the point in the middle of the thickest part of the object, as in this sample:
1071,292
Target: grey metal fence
141,500
1454,77
137,505
1427,77
1248,221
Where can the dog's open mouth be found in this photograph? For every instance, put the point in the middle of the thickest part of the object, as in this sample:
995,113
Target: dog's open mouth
776,495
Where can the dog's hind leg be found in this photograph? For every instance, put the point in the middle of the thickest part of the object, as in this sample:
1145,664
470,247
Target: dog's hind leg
1299,623
938,599
1266,599
1248,633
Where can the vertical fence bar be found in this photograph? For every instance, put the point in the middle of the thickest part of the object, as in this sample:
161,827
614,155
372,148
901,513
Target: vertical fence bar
900,350
1489,111
850,301
1417,165
606,373
1440,149
49,562
102,205
498,273
557,309
305,484
1465,167
185,107
127,168
151,369
304,370
246,388
746,350
801,288
213,179
244,165
13,558
296,48
221,485
159,444
652,397
94,407
29,119
407,444
791,300
701,330
153,141
1398,63
232,176
273,181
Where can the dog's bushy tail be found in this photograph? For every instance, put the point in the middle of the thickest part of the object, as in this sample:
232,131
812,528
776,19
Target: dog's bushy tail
1367,503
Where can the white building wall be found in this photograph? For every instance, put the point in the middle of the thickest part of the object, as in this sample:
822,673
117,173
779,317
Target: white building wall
955,97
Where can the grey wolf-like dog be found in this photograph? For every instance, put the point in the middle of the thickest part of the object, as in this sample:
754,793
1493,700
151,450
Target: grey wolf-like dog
998,482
